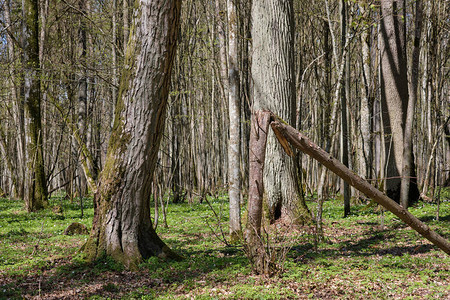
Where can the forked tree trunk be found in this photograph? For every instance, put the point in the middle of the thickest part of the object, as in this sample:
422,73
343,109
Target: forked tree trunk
122,227
394,94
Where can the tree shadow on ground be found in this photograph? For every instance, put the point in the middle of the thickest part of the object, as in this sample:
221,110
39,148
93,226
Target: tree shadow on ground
68,278
374,242
426,219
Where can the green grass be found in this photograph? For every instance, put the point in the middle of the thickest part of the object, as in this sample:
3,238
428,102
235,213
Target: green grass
360,258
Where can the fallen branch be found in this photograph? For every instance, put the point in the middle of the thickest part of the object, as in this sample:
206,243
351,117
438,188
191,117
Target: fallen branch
301,142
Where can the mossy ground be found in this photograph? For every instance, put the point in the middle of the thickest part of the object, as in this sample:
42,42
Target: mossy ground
361,259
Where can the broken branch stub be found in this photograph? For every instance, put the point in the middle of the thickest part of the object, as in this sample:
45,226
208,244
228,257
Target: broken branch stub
258,140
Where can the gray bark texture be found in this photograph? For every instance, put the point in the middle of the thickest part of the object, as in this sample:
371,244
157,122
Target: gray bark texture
408,162
82,99
122,226
273,75
365,165
394,93
234,145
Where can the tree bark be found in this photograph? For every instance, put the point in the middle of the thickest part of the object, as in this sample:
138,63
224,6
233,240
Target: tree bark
234,142
82,99
273,74
223,66
394,93
122,226
125,19
366,87
345,189
258,140
36,186
408,162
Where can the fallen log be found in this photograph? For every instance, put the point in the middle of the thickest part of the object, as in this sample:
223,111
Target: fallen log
284,133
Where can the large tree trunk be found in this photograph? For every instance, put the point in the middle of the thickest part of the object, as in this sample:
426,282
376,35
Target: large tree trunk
234,109
394,93
122,227
273,75
35,180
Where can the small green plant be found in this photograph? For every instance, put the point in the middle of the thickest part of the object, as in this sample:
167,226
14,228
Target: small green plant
111,287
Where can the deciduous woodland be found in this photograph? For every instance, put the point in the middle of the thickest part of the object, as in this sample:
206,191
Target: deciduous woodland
123,110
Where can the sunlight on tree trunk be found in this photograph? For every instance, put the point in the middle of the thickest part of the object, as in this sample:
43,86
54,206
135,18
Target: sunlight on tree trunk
273,74
234,145
122,226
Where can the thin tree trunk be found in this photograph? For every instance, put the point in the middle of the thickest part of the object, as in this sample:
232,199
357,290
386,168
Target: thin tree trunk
36,196
365,162
344,93
234,147
221,29
82,98
408,162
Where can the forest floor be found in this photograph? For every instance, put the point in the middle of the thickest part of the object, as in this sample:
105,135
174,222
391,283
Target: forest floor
368,255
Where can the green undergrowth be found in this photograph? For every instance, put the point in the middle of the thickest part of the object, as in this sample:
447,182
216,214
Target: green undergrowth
29,241
369,255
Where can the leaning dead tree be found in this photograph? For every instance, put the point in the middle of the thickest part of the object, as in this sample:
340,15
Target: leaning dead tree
257,154
289,136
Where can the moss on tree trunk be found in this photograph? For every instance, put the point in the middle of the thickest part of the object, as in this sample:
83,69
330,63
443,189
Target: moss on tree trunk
122,226
35,182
